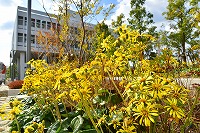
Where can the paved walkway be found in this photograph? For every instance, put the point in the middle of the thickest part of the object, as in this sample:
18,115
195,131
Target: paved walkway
5,95
4,99
4,128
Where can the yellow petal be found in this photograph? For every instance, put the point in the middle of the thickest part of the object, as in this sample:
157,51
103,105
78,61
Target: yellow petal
151,119
140,122
171,112
154,114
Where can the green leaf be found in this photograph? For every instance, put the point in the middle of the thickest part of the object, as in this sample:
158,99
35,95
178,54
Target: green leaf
76,123
64,125
54,127
115,99
88,131
103,91
102,98
96,100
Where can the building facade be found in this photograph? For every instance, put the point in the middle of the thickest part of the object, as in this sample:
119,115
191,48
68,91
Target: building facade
40,21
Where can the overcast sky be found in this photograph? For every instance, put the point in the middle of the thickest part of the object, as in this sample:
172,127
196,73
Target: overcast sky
8,10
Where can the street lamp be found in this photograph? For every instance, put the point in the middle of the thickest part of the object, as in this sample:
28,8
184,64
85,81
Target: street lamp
28,50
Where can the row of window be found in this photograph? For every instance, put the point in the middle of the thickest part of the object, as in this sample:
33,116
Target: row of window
22,38
36,23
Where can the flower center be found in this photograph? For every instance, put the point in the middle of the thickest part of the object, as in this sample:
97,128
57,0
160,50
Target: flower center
157,86
145,113
142,80
174,107
143,100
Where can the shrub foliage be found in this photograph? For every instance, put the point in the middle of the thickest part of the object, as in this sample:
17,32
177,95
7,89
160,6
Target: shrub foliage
107,94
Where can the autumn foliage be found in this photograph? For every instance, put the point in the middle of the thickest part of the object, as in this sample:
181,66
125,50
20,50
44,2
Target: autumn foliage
17,84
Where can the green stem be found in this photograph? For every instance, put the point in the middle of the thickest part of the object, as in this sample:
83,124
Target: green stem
154,125
172,126
65,108
87,109
116,86
17,122
95,115
57,111
190,112
52,113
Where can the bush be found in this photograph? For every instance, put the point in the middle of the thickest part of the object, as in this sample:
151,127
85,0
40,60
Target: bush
107,95
16,84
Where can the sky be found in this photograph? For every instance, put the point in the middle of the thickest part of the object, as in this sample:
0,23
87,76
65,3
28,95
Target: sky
8,9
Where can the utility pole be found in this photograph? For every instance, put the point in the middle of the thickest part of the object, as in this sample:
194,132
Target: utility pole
28,47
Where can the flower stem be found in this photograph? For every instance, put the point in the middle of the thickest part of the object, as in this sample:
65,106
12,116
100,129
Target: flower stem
116,87
190,112
17,122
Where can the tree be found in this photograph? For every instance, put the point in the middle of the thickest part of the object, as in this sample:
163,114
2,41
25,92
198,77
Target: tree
79,34
185,31
102,31
119,21
142,21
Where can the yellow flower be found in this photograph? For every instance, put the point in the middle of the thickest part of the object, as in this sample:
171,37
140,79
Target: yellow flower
101,120
122,82
74,95
112,109
178,92
14,111
140,99
29,129
2,109
15,102
64,94
158,88
35,127
115,123
128,86
86,92
15,131
174,110
128,129
41,127
127,126
145,113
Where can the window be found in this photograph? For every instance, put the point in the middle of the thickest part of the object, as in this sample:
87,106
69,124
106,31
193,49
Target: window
20,37
75,30
58,28
43,24
25,21
48,25
33,39
32,22
76,45
54,26
25,41
38,23
20,20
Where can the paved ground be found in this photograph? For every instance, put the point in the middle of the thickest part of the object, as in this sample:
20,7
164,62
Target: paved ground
4,128
5,95
187,82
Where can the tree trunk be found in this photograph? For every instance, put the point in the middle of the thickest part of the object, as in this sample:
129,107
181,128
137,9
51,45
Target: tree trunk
183,47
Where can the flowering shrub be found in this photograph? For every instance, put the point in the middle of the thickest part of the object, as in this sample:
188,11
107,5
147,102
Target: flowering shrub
143,99
16,84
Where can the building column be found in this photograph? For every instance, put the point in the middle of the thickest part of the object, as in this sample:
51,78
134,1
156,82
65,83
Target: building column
17,76
22,65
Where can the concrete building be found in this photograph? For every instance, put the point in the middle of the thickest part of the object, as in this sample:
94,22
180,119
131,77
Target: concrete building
40,21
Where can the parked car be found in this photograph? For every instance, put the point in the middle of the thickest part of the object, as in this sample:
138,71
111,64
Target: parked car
2,73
